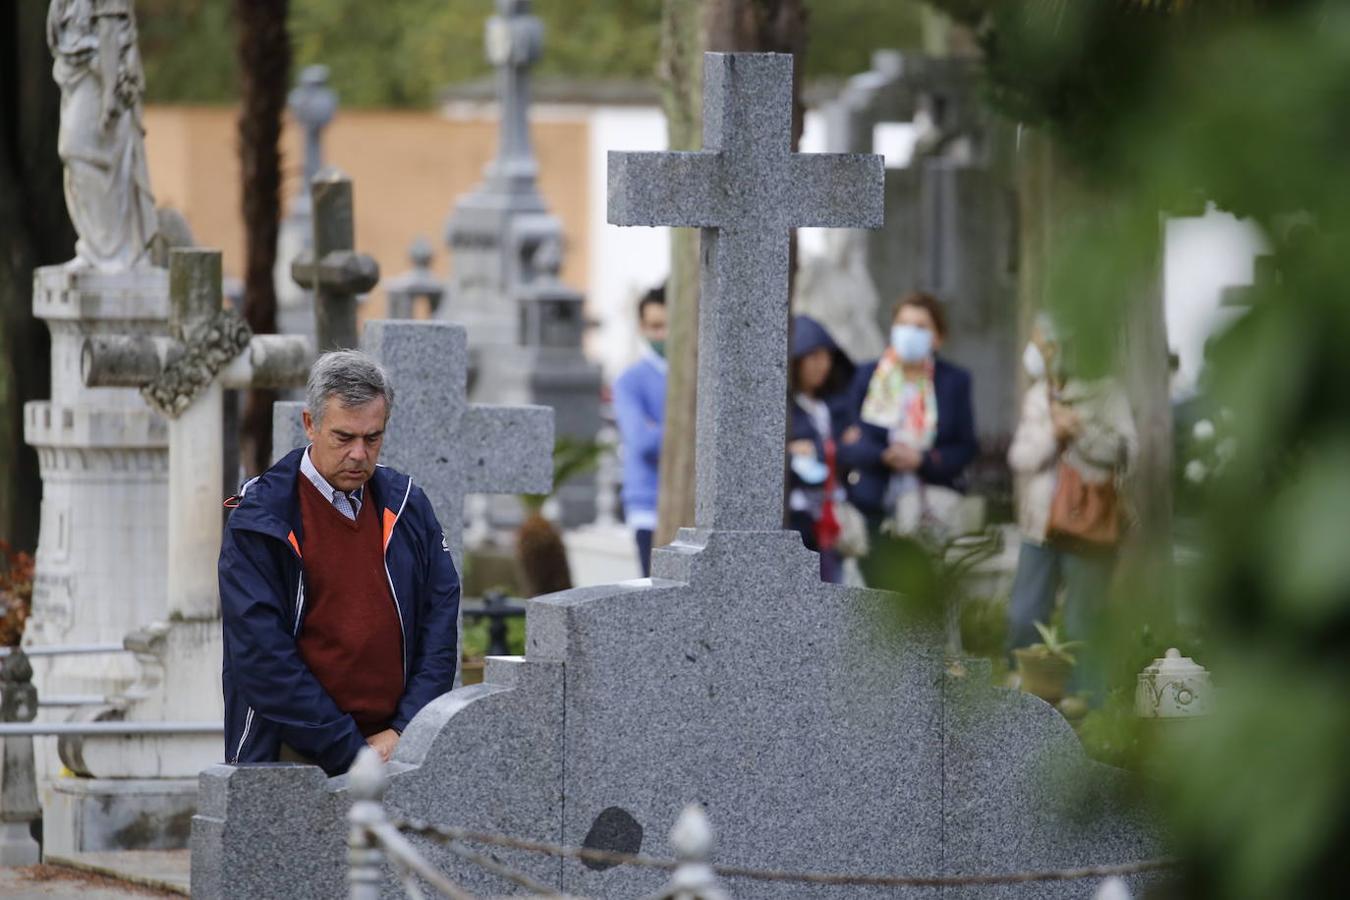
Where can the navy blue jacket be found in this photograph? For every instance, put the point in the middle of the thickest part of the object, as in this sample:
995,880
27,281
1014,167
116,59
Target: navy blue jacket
953,448
271,697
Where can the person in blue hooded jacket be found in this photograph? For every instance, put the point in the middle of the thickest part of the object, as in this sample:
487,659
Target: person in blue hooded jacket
818,376
338,595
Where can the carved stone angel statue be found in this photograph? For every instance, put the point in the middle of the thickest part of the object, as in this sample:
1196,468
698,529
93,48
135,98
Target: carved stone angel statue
101,140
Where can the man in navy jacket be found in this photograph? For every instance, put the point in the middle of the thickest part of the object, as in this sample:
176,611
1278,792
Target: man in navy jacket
338,594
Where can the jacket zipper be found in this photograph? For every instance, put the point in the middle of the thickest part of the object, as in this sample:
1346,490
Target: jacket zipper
398,608
243,736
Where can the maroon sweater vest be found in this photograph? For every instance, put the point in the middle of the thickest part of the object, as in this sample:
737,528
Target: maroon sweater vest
351,638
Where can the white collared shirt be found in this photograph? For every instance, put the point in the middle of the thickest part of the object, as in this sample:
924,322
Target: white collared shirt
347,504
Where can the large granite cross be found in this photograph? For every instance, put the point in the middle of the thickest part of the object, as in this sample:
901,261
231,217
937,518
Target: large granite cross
746,189
332,268
450,447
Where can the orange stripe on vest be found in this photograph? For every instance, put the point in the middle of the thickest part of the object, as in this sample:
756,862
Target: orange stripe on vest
294,543
390,517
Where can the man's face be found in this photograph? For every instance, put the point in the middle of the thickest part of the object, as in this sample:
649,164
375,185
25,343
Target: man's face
653,322
346,442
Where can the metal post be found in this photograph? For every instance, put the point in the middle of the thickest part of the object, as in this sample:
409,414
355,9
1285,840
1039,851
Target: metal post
365,861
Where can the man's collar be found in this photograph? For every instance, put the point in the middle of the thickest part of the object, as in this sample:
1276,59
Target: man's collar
308,469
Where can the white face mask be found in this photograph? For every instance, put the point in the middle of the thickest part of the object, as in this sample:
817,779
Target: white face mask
912,343
1034,362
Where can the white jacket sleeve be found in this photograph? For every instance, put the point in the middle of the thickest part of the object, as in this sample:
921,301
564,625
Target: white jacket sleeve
1034,447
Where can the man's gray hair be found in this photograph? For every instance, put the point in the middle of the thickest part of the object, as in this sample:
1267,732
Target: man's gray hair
352,377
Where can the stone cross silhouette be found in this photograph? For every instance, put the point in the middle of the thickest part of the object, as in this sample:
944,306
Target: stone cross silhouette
332,269
450,447
313,104
746,189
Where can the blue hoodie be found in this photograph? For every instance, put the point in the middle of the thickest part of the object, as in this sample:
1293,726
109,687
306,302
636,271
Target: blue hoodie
271,697
640,409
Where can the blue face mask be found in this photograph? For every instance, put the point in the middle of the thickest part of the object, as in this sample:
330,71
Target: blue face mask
912,343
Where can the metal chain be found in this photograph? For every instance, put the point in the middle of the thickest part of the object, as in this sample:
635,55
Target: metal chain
446,834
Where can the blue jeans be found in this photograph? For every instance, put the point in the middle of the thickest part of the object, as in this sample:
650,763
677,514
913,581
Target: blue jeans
1041,569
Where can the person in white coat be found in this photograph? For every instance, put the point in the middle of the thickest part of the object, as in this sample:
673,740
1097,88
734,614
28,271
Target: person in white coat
1088,425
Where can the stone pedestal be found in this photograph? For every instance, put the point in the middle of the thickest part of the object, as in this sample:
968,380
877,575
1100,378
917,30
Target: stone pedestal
104,462
83,815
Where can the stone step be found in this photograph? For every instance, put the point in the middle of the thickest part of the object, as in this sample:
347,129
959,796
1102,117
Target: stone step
164,870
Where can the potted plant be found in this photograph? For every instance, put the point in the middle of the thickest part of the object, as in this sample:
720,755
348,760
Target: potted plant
1045,667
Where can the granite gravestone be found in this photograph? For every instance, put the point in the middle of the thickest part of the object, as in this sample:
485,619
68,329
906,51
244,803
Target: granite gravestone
820,735
450,447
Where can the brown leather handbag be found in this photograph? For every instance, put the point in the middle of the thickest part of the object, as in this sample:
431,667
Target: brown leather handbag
1084,515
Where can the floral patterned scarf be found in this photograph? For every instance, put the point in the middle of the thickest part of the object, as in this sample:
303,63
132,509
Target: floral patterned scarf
906,408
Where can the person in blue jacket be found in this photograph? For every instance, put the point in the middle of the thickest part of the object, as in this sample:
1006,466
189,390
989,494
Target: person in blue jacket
338,594
913,421
640,409
818,377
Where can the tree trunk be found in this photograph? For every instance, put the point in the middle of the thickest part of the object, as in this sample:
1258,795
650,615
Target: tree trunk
35,230
264,48
688,28
1052,196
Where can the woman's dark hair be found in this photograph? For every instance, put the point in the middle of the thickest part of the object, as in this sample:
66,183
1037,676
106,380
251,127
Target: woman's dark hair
926,302
835,382
655,295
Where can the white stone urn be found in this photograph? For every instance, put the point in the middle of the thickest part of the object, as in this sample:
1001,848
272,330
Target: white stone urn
1173,687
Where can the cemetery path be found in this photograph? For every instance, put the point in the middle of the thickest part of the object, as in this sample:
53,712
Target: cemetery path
46,882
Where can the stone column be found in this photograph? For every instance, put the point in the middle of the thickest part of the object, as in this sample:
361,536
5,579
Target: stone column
104,462
197,436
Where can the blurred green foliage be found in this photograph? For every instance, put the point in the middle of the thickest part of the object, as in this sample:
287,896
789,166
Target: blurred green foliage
1157,105
402,54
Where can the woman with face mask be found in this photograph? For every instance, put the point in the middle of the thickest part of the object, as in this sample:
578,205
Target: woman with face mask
1085,424
818,374
913,423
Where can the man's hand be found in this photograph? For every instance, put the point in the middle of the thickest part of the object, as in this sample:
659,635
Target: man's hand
803,447
902,457
384,743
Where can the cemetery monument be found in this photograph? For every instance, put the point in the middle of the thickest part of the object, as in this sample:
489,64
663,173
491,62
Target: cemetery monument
819,734
102,454
525,326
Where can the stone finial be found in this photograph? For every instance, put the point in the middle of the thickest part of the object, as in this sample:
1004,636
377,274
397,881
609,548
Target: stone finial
366,779
18,702
693,878
419,281
746,189
18,778
1112,889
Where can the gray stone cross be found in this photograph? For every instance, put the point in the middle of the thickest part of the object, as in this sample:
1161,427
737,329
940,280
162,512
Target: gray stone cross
746,189
313,103
332,269
450,447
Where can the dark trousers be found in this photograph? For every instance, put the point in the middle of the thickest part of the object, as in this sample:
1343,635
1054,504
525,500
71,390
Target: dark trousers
644,548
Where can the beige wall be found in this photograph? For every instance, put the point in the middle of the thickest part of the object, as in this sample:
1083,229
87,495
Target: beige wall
407,170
